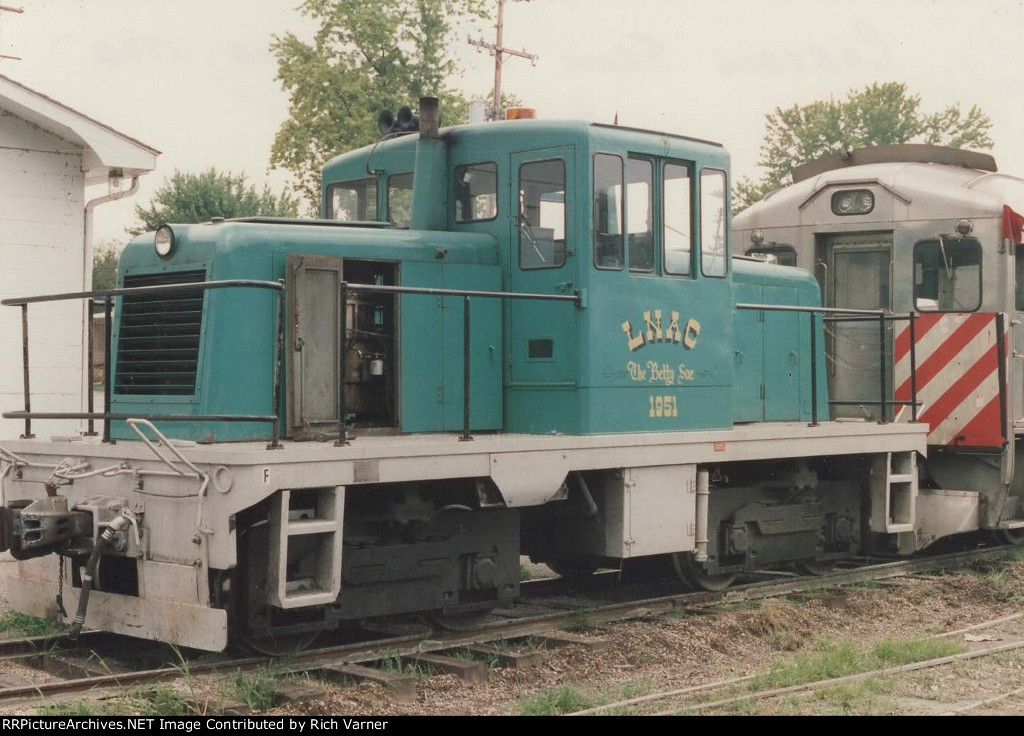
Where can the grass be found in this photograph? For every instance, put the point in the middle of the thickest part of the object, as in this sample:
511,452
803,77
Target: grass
569,699
556,702
579,621
839,659
257,688
19,624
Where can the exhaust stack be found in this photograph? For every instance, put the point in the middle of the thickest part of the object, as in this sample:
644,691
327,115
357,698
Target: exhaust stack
430,178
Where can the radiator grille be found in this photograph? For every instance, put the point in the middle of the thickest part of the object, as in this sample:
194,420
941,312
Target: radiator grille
158,340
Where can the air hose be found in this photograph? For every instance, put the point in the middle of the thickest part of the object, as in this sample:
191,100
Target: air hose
106,540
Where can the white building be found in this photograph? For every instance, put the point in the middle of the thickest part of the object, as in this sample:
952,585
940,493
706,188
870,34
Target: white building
49,154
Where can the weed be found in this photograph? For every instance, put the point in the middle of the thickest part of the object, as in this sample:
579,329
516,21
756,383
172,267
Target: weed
525,573
20,624
79,708
896,652
564,699
257,689
579,621
836,660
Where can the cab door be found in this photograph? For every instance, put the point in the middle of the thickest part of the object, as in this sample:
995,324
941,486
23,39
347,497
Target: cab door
859,277
541,334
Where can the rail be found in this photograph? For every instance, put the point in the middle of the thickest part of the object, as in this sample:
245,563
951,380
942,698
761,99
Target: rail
106,299
467,296
853,315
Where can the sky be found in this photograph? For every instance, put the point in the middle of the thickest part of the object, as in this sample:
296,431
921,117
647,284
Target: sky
195,79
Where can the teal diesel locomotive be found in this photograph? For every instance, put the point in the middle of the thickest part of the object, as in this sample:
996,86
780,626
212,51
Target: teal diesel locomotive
523,337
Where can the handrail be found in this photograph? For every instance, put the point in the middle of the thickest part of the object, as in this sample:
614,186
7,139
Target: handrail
852,315
106,297
467,295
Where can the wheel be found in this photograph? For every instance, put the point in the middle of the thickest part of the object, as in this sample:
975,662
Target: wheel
694,575
1013,536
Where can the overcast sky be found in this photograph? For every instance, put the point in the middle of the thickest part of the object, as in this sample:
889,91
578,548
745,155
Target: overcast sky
195,79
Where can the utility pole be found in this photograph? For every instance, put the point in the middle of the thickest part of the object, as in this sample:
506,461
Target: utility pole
10,9
499,53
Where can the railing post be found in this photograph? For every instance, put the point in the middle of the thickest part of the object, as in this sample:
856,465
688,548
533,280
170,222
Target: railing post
24,368
465,371
814,370
90,402
883,408
275,436
913,367
342,367
108,322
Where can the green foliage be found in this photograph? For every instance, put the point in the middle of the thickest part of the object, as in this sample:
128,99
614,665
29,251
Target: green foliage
19,624
896,652
838,659
364,58
257,689
564,699
104,266
879,114
187,198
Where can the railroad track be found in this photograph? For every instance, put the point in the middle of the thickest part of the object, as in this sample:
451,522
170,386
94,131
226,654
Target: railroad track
546,607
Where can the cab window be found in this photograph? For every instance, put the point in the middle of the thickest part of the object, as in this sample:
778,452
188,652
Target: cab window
541,219
400,200
714,210
607,206
947,275
476,192
677,191
354,200
640,214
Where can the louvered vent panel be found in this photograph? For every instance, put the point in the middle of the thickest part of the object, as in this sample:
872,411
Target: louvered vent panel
158,341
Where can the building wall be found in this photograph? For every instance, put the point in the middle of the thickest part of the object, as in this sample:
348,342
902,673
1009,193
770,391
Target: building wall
42,192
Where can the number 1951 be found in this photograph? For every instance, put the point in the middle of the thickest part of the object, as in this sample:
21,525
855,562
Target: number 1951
663,406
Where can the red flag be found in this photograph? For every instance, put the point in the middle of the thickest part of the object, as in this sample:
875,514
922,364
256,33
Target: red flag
1013,223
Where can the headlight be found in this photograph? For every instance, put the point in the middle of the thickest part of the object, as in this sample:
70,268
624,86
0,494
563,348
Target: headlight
163,241
853,202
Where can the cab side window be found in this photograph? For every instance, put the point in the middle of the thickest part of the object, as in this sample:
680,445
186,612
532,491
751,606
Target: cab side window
476,192
541,219
607,206
677,191
714,217
400,200
354,200
640,214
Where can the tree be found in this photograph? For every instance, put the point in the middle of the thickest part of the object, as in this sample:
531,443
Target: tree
879,114
199,197
366,57
104,266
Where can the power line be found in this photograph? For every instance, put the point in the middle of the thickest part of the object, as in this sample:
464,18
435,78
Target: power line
11,9
499,52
